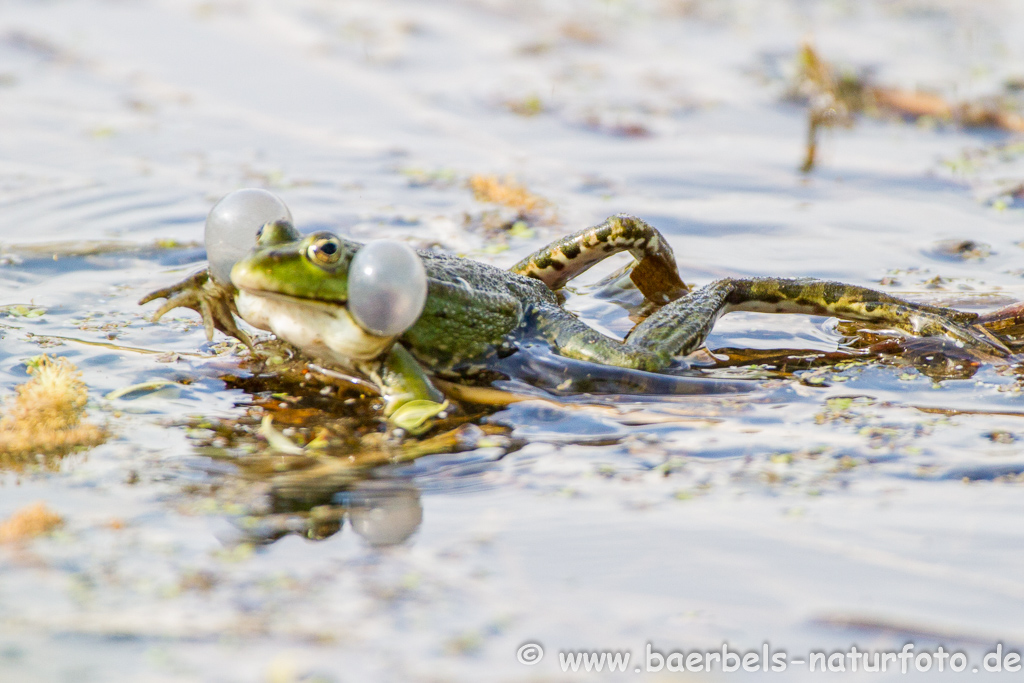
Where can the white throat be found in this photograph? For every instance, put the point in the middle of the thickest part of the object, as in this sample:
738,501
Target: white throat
324,331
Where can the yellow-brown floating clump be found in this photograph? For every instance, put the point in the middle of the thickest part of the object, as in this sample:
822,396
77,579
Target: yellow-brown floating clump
507,192
45,414
28,522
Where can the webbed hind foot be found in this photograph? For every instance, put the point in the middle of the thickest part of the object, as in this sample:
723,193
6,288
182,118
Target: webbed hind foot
683,325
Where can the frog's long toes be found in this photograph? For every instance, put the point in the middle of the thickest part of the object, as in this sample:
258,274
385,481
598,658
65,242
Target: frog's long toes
253,351
152,296
237,333
207,314
185,299
168,306
160,312
991,341
162,293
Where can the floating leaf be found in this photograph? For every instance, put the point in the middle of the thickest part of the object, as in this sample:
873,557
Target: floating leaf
23,311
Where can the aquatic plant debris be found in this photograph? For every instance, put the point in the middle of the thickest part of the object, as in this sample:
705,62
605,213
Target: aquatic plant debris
507,192
276,440
29,522
45,415
147,388
834,96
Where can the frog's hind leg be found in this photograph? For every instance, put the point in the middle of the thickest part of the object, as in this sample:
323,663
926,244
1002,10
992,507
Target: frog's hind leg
571,337
683,325
655,274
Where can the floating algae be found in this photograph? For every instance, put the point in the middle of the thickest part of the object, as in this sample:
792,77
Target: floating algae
45,415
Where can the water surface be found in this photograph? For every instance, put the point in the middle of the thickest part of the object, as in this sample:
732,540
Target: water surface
868,505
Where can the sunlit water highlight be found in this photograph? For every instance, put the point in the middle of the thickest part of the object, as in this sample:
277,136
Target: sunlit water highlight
777,514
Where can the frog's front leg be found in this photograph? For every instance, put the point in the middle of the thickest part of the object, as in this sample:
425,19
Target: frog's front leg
655,274
683,325
403,380
211,299
412,400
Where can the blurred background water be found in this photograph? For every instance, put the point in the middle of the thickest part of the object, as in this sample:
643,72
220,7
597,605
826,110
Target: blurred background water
872,505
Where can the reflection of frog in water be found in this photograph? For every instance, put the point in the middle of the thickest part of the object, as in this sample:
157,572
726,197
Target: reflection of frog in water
383,512
474,314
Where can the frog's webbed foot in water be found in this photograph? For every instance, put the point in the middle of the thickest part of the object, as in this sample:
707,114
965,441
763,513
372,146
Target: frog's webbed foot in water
214,301
972,336
683,325
655,273
1007,324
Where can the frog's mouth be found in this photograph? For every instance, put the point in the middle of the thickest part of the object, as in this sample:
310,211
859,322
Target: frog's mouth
331,305
321,329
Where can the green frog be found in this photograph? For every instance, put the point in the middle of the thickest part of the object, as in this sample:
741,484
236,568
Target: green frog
474,315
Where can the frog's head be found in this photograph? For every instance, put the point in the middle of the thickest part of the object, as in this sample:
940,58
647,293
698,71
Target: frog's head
321,291
312,267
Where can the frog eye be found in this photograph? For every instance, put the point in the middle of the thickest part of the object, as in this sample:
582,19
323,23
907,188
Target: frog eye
326,251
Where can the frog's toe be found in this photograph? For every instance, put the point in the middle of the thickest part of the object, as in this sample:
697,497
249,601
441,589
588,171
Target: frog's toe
153,296
977,338
179,300
990,341
187,299
206,312
217,315
211,300
189,287
418,416
227,326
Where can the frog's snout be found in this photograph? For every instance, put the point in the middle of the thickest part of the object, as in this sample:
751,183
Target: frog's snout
387,287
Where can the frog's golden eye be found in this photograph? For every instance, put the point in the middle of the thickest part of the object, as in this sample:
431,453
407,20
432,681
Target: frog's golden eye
326,251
